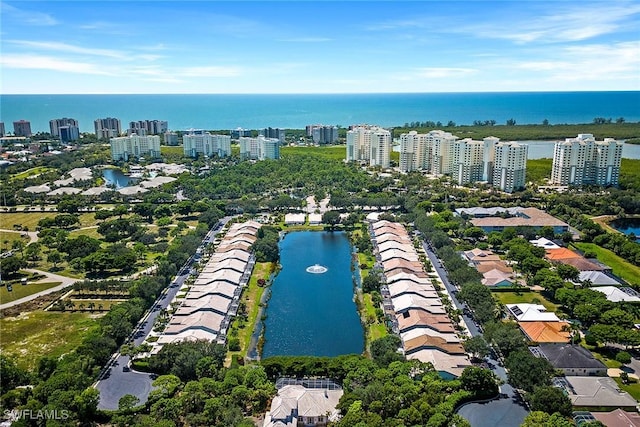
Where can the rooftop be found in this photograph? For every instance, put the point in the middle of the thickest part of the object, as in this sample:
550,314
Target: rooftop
569,356
596,392
531,313
546,332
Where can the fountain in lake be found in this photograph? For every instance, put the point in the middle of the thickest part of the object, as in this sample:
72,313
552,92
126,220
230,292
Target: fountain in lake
316,269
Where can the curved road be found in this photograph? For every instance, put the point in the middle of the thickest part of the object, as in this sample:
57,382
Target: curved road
50,277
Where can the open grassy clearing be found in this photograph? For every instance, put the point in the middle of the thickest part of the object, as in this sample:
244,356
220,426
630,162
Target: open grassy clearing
334,152
251,297
524,297
620,266
7,239
35,334
91,232
538,170
32,172
632,388
21,291
25,219
375,329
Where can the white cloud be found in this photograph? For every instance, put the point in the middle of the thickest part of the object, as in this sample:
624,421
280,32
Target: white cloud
64,47
49,63
443,72
210,71
562,24
28,17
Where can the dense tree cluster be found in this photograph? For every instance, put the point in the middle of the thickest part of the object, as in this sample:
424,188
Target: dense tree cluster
266,246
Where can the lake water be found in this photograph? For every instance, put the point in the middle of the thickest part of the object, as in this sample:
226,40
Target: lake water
313,314
116,177
628,226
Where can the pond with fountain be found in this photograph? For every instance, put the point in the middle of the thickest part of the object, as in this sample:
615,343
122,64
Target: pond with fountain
311,310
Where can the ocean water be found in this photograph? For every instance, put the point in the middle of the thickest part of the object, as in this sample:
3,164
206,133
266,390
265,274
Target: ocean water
296,111
313,314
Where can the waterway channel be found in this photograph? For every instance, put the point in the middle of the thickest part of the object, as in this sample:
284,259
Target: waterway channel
312,311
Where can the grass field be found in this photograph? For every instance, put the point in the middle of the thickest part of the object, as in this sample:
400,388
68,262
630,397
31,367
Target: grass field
633,388
538,170
620,266
374,330
91,232
7,239
31,172
25,219
251,297
334,152
21,291
524,297
32,335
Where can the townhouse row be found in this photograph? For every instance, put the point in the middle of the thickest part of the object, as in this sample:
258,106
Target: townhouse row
208,308
413,304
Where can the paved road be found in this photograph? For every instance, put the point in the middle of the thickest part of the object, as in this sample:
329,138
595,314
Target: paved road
509,410
33,235
66,281
113,382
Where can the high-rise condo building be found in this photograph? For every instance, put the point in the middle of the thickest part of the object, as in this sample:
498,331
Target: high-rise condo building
22,128
259,148
148,127
276,133
380,147
171,138
64,129
467,157
197,141
585,161
509,167
107,128
322,134
239,133
370,144
2,132
134,146
415,152
502,164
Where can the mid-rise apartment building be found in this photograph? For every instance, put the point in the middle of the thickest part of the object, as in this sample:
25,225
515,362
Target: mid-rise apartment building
65,129
2,131
134,146
370,144
22,128
585,161
198,142
148,127
107,128
259,148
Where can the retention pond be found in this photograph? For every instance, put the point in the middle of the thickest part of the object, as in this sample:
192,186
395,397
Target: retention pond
311,311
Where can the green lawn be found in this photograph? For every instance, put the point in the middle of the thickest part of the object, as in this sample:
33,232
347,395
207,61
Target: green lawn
538,170
524,297
251,297
7,239
375,329
31,172
620,266
21,291
335,152
632,388
25,219
32,335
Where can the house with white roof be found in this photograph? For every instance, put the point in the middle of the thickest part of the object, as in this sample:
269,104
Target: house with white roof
295,218
297,405
531,313
615,294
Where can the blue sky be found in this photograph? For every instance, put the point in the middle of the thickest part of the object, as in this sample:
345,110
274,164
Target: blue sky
318,47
